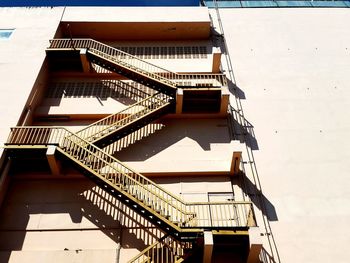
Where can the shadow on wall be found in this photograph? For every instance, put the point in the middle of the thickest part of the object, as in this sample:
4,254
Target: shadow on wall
258,198
241,129
135,137
173,131
126,93
123,92
265,257
235,90
103,210
82,201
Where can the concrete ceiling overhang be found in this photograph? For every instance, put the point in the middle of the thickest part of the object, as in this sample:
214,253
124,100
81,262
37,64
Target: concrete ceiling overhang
137,30
136,23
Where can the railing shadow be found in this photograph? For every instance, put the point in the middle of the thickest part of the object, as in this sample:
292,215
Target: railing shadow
121,91
235,90
147,131
102,209
265,257
241,129
173,132
91,203
257,197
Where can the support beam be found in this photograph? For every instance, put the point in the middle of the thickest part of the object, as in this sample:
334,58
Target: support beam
179,100
216,60
208,246
53,163
84,61
224,101
236,160
255,245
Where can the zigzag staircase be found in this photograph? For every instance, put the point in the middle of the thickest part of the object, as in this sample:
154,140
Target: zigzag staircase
120,62
118,125
115,126
184,221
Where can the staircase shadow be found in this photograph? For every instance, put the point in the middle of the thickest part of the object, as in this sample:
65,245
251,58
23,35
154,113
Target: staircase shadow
107,213
90,208
123,92
241,129
173,131
257,197
265,257
235,90
133,138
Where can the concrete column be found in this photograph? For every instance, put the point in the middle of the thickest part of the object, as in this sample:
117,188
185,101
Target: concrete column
84,61
225,100
179,100
255,245
236,160
53,163
208,246
216,60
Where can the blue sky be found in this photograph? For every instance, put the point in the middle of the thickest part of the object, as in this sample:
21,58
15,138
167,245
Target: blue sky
99,2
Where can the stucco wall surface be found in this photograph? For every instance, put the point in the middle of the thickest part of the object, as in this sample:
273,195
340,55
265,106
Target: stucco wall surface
21,57
293,69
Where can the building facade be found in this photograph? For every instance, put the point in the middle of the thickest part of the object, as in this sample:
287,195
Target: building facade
125,138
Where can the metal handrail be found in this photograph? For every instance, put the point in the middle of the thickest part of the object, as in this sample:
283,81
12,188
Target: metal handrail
165,250
123,178
122,58
124,117
201,80
76,146
135,63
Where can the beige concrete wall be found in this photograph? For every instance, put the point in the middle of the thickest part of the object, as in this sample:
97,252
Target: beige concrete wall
70,219
183,146
175,64
21,57
292,67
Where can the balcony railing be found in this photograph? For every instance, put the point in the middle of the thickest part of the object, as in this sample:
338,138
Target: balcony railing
137,64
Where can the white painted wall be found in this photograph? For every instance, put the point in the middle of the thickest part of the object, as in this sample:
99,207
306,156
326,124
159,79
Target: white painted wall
293,66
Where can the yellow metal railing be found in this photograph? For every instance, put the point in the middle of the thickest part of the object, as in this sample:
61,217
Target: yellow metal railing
166,250
200,80
226,214
117,56
106,167
115,121
136,64
117,175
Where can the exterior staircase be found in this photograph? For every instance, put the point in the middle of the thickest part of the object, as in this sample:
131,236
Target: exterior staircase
134,68
118,125
183,222
120,62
